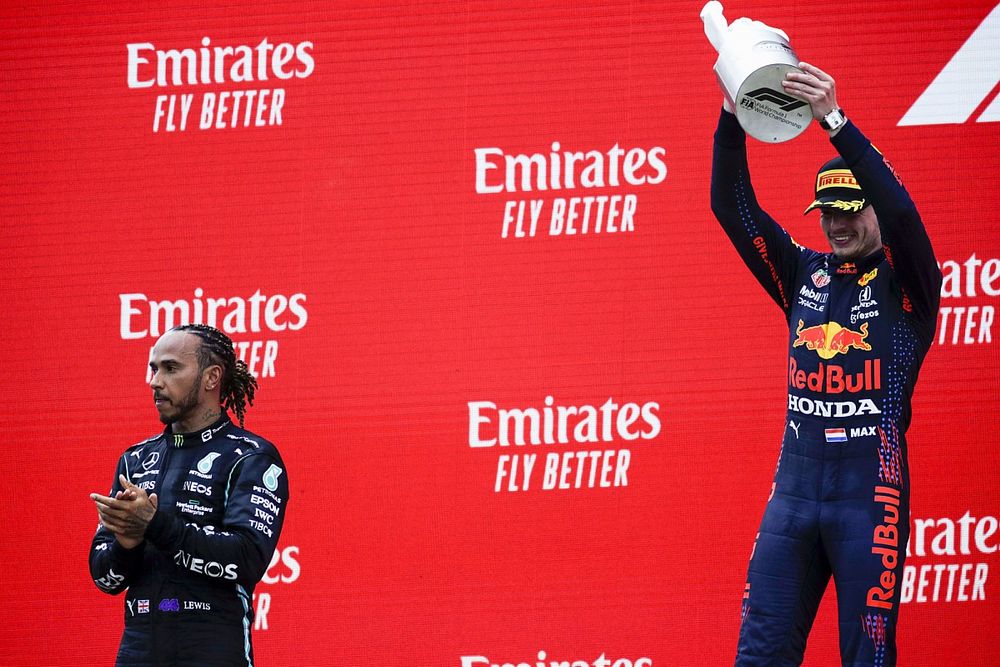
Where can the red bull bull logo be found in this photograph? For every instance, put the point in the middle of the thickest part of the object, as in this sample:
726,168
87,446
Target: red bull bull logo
829,340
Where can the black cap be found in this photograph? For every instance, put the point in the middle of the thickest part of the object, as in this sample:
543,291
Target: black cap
836,188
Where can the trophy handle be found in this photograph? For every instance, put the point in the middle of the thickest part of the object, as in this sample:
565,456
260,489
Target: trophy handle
716,27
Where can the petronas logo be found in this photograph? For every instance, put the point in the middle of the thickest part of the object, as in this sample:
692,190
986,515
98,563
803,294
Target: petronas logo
271,477
205,465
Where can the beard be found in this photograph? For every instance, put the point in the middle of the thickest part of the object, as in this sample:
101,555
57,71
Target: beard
183,408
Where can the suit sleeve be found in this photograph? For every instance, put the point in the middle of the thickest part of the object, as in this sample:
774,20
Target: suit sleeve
907,246
241,549
112,566
765,247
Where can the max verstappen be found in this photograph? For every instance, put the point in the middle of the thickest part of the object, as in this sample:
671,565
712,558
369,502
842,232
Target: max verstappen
861,319
194,513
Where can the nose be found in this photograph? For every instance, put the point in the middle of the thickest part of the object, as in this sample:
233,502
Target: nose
154,382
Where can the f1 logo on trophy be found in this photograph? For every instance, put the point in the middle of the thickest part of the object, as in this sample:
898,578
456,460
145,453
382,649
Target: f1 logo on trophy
753,60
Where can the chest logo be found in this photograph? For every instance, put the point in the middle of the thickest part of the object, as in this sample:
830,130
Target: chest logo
829,340
151,461
868,277
206,463
821,278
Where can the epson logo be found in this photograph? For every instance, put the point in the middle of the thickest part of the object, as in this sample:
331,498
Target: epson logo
149,66
270,506
208,568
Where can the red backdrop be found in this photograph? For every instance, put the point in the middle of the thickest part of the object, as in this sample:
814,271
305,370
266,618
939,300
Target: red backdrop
334,226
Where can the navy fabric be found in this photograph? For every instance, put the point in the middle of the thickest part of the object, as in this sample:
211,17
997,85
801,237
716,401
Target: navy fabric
222,496
858,333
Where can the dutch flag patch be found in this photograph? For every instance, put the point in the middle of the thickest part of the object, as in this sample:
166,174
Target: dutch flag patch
835,434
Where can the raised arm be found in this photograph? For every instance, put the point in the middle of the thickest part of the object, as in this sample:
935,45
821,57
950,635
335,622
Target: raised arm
765,247
112,563
907,246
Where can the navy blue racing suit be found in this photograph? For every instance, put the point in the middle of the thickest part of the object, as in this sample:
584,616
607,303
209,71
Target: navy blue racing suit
222,495
859,332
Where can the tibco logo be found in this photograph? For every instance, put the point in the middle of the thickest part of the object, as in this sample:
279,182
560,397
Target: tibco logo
600,661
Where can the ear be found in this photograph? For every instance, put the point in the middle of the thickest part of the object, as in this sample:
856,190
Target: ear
211,378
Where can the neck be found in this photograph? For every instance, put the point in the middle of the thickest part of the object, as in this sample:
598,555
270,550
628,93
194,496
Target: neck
198,420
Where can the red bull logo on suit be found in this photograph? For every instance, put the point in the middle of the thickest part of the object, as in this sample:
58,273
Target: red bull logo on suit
829,340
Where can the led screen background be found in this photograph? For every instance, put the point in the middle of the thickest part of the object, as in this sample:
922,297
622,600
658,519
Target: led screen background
337,230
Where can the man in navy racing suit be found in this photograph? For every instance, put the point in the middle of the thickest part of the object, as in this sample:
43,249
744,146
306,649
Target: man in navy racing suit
194,513
861,319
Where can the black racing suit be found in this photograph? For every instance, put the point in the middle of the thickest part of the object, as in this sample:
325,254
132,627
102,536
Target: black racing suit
858,334
222,496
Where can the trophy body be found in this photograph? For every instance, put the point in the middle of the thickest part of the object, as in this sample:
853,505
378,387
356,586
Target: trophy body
753,60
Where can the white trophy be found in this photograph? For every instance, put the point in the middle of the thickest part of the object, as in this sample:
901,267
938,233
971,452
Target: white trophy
753,61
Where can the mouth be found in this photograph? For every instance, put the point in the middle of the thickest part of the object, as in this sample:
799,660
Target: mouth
159,400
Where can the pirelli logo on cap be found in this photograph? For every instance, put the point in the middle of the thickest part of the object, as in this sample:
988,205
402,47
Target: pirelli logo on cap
836,178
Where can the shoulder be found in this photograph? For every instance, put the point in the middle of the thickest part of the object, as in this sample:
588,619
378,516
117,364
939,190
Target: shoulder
810,260
260,462
250,443
138,448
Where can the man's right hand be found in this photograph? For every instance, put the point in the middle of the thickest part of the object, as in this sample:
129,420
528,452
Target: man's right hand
118,514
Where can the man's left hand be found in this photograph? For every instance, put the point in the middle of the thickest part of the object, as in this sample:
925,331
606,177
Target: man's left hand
815,86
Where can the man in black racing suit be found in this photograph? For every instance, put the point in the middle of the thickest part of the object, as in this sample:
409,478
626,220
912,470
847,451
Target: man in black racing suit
194,513
861,319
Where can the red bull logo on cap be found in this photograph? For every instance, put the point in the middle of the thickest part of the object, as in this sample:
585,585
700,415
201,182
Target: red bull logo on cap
829,340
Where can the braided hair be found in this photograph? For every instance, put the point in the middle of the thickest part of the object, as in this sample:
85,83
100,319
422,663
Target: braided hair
238,385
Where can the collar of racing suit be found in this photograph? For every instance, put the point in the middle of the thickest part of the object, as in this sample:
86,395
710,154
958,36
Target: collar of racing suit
196,437
861,265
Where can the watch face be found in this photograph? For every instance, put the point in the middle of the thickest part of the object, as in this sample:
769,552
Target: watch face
833,120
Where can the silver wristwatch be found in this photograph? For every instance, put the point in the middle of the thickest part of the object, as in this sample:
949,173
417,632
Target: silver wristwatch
833,120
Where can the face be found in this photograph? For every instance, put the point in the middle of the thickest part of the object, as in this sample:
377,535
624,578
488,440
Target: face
851,235
177,381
